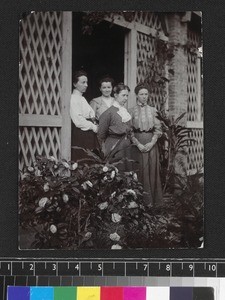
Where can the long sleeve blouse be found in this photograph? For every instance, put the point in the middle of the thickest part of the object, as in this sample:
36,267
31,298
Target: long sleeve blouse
80,111
144,118
110,123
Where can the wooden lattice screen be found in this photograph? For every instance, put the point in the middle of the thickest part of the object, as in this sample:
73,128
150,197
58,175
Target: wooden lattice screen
40,78
195,105
146,51
148,19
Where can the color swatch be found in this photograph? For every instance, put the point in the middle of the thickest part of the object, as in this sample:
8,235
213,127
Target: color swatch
110,293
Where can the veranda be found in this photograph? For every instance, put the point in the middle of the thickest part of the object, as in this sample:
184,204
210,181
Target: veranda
51,48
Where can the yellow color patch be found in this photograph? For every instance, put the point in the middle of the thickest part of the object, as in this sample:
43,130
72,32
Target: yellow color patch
88,293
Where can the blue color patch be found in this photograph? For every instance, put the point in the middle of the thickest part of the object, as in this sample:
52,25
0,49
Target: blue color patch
18,293
41,293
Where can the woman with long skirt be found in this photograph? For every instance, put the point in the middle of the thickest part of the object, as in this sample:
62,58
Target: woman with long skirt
147,130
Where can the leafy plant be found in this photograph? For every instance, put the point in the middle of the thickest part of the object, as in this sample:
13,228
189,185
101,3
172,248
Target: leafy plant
75,205
92,18
173,142
188,206
72,205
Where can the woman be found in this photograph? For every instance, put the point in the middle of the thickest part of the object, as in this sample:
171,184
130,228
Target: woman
83,117
103,102
147,130
115,127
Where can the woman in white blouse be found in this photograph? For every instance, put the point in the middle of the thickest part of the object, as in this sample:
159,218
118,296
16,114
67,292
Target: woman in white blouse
84,127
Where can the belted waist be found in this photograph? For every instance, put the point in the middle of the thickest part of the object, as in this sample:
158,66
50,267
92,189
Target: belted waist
117,135
140,131
93,120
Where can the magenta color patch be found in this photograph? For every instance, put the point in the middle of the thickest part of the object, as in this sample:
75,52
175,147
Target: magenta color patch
134,293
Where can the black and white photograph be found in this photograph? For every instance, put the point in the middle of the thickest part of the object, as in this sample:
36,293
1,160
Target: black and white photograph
111,152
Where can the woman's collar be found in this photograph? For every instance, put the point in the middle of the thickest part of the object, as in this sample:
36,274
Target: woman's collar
116,104
142,104
75,91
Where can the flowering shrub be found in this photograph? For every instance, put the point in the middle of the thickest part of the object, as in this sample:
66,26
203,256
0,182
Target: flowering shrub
73,205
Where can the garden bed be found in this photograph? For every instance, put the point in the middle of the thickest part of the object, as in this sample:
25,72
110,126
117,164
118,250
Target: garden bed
67,205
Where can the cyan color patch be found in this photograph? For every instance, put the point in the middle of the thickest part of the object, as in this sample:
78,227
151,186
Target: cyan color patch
41,293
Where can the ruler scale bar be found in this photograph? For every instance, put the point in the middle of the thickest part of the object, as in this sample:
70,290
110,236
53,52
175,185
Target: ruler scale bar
42,268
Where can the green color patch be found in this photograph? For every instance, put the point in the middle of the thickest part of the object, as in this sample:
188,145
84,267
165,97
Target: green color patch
65,293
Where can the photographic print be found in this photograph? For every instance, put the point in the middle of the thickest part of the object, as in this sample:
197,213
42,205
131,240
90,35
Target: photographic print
110,130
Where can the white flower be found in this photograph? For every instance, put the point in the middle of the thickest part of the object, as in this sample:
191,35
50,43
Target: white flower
65,164
53,229
65,198
89,183
114,237
116,217
84,185
46,187
132,204
103,205
30,169
52,158
120,198
116,246
37,172
105,169
113,194
87,236
43,201
74,166
105,178
131,192
25,175
201,180
135,177
113,173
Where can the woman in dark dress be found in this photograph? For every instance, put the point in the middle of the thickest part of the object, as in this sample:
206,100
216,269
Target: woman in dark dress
115,127
84,127
147,130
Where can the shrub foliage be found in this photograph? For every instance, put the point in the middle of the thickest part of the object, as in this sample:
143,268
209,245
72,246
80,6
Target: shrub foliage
75,205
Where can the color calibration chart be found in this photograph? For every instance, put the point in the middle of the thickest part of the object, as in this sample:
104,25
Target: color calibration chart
54,279
110,293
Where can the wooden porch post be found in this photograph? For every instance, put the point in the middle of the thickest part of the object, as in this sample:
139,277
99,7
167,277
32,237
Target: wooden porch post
178,94
130,65
66,85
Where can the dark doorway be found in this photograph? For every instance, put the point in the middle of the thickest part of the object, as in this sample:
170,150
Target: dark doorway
101,53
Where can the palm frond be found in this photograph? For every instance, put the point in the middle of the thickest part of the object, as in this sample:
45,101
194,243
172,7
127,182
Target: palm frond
179,118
